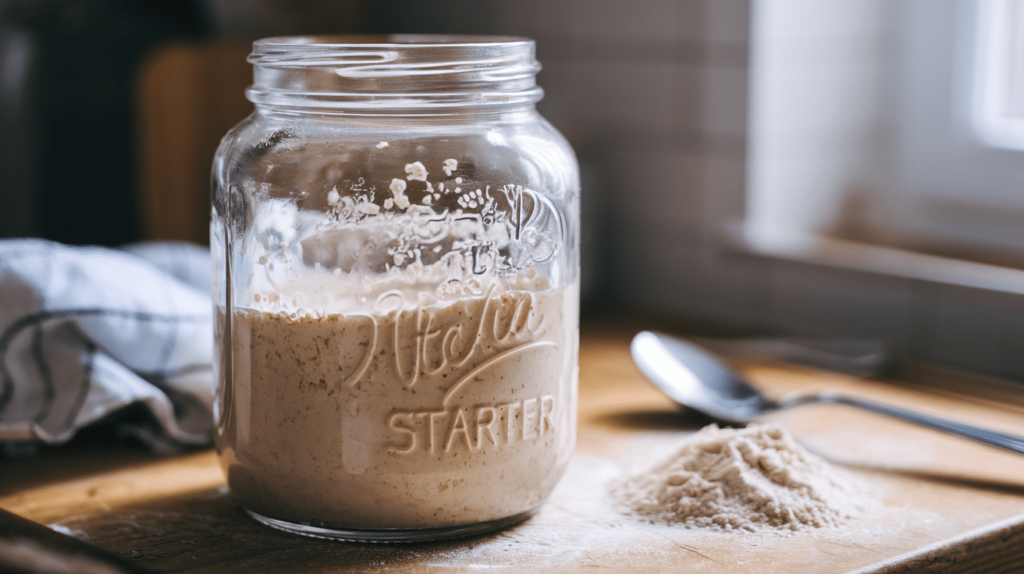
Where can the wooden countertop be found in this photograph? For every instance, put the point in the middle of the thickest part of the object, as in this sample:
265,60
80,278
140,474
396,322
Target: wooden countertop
936,503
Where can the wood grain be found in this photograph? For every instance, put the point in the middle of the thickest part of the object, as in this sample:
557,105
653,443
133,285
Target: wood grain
933,503
997,548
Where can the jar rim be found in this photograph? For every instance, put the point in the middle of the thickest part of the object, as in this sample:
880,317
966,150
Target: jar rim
396,71
387,40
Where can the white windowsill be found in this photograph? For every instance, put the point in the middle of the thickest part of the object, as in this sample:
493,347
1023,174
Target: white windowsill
868,258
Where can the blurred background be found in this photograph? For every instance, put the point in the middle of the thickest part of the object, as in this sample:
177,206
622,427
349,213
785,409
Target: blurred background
850,168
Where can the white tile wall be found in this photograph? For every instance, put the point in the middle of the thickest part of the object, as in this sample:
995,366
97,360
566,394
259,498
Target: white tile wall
627,96
724,195
678,280
658,93
658,90
688,97
973,328
657,184
649,269
642,20
728,289
727,22
839,303
692,21
545,21
668,103
725,100
560,94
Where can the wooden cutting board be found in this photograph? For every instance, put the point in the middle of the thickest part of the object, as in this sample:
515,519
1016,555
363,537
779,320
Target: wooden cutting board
934,503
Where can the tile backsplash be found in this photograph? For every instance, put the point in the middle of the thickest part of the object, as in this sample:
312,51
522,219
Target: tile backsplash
655,95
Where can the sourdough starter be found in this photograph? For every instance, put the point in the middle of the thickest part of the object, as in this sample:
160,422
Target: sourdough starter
450,413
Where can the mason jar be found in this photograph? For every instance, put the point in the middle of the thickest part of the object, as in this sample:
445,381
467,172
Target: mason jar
395,235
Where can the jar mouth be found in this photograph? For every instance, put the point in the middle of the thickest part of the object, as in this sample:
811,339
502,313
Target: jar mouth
384,40
393,72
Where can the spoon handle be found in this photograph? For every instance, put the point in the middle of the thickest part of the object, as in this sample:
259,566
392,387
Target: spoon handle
1005,441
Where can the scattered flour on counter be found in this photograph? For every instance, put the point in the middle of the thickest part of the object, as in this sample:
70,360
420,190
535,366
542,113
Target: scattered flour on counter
757,478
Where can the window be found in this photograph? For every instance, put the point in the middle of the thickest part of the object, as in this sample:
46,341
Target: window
998,90
959,181
902,126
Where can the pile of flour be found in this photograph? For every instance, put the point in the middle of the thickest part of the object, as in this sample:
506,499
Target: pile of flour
756,478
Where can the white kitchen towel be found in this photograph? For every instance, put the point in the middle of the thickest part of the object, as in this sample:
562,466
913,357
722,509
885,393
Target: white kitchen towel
87,331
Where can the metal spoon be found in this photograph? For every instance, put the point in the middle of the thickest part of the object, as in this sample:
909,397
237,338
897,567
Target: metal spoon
694,378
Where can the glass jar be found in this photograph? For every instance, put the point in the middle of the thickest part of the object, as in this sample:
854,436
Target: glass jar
395,237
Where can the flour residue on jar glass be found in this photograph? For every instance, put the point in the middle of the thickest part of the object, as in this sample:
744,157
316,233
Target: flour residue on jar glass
401,361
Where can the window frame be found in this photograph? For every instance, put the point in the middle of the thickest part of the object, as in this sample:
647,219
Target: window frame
953,185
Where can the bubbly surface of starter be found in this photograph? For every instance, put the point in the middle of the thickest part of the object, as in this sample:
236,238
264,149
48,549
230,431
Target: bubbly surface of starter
755,478
455,412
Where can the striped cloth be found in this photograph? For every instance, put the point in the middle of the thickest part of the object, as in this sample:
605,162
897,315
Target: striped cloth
86,332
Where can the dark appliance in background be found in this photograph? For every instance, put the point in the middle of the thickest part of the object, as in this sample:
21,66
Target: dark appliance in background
110,109
67,73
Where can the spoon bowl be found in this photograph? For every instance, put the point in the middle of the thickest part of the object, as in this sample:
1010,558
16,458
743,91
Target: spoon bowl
693,377
696,379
